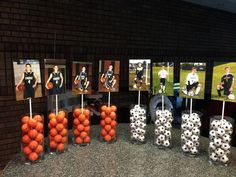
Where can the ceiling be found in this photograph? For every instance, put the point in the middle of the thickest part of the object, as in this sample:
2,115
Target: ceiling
226,5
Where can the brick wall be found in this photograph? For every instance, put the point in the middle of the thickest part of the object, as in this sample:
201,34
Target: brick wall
92,30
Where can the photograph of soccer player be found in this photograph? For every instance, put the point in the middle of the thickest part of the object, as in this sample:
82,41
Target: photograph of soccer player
192,80
109,72
55,81
162,78
81,77
223,81
27,79
139,74
54,75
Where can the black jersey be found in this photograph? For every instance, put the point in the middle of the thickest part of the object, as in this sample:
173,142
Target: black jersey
29,79
139,72
56,79
109,75
227,80
83,76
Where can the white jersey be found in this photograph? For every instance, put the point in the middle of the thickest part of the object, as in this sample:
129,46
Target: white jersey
162,74
192,78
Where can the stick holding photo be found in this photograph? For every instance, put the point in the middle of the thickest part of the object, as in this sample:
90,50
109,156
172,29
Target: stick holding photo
162,78
223,84
139,74
192,80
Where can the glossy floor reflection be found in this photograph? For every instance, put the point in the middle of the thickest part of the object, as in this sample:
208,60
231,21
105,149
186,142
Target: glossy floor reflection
123,159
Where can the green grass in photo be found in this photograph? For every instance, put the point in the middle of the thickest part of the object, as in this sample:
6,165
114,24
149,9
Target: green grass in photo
218,72
201,76
145,87
169,89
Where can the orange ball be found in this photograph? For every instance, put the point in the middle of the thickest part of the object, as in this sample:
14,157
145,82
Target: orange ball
83,134
76,132
59,127
52,116
60,118
53,132
61,147
104,107
53,145
112,132
33,145
32,123
33,133
25,119
87,128
108,110
76,121
80,127
86,112
107,138
58,138
87,139
33,156
25,128
39,127
82,117
21,87
39,149
27,150
86,122
77,112
65,122
64,139
53,122
102,123
39,138
108,120
26,139
62,113
103,115
63,132
103,132
113,124
50,85
113,108
78,140
107,127
38,118
113,115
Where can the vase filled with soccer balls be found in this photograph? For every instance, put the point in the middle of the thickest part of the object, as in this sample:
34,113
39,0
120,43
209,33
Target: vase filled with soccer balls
32,141
220,137
138,124
81,126
163,127
108,123
190,132
58,132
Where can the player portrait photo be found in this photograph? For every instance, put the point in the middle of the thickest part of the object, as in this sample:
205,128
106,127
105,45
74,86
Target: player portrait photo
223,83
162,78
192,80
27,79
81,77
139,74
109,74
55,71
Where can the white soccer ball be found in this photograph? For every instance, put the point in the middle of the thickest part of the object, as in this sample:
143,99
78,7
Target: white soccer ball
220,132
185,148
161,137
224,159
217,142
231,96
156,132
195,138
184,126
196,131
166,143
167,133
161,129
187,133
189,143
212,134
163,120
194,150
212,146
225,146
219,152
132,125
141,138
213,156
226,138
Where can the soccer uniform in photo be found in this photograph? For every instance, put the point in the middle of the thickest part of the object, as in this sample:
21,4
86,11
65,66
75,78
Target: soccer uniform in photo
162,75
29,81
56,81
109,76
139,73
192,82
83,80
226,83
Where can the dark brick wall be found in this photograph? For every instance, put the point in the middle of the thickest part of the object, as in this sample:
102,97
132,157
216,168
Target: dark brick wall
108,29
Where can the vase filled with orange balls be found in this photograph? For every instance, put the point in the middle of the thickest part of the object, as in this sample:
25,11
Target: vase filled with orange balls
108,123
32,141
81,126
57,132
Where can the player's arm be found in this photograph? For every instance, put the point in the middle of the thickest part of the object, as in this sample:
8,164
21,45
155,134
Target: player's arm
36,80
188,80
50,77
20,82
142,72
62,79
232,85
76,78
102,76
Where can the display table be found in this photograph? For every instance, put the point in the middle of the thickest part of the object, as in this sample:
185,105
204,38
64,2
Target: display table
124,159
